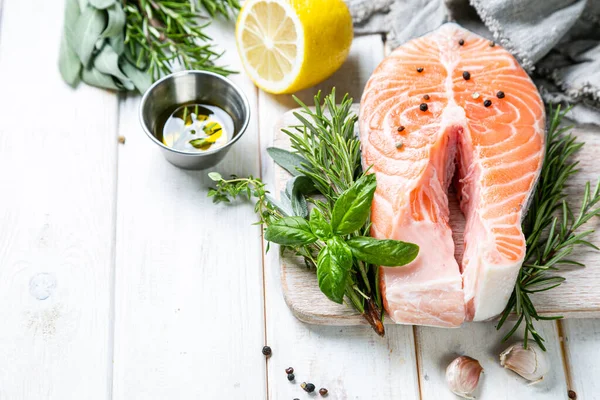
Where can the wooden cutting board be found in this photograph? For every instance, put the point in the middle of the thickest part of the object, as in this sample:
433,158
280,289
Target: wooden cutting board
578,297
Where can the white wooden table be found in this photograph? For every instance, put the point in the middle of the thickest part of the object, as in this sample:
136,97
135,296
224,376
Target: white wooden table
120,280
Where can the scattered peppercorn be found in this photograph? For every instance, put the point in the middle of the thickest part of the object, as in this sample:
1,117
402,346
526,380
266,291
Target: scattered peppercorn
492,44
267,351
426,97
400,128
308,387
323,392
487,103
291,377
475,95
399,144
461,42
500,94
420,69
466,75
423,107
572,395
289,370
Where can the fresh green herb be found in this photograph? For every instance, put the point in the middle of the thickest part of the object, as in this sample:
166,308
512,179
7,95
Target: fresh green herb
551,229
125,45
161,34
326,161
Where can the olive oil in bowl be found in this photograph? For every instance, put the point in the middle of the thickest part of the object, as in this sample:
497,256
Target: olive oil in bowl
194,127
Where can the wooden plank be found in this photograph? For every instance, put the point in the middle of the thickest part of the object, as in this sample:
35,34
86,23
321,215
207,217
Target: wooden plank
58,161
578,297
437,347
351,362
189,304
582,352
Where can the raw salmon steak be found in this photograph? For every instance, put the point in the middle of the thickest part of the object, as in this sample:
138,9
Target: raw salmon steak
451,107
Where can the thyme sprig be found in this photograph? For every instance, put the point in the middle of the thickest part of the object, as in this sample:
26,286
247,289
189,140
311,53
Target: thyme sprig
162,34
551,229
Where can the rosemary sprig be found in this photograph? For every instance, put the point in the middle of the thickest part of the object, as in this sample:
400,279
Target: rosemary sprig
162,34
551,229
328,144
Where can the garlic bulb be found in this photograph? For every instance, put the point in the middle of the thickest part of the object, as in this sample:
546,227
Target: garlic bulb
531,363
462,376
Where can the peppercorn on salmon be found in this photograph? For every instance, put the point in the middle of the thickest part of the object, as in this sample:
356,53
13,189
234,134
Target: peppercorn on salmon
451,106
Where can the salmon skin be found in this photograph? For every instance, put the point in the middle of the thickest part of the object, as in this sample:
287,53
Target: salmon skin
451,104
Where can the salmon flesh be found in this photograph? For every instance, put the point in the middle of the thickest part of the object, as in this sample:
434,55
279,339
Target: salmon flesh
451,107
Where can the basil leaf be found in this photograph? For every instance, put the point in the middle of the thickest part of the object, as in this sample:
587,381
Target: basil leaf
287,160
290,231
86,33
333,268
352,208
319,225
387,253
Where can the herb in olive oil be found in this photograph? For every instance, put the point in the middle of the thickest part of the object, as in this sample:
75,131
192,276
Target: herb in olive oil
194,127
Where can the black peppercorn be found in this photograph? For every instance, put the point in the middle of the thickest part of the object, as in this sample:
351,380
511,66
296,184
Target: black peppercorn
500,94
289,370
291,377
466,75
400,128
307,387
426,97
461,42
323,392
487,103
420,69
492,44
267,351
423,107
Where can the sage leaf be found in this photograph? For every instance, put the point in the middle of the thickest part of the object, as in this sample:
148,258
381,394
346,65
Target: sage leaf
102,4
285,210
117,43
68,63
72,13
387,253
319,225
107,62
290,231
352,208
93,77
140,79
333,268
115,21
287,160
88,28
286,203
296,188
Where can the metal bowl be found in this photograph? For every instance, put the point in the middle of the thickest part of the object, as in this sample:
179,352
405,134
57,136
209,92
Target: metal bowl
201,87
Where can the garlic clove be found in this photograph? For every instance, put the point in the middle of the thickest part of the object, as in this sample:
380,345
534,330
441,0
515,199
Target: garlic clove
462,376
531,362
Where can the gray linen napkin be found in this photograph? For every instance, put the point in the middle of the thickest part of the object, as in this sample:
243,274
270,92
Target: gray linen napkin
557,41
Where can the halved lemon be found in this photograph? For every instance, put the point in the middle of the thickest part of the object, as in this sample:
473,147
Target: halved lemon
286,46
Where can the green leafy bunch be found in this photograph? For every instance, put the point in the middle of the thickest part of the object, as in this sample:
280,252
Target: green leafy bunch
327,178
551,229
126,45
334,240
